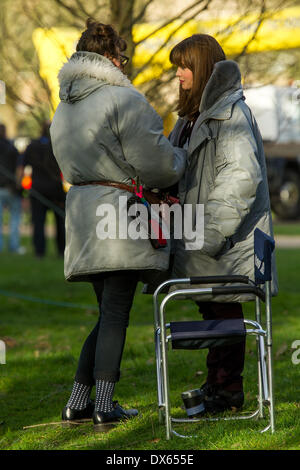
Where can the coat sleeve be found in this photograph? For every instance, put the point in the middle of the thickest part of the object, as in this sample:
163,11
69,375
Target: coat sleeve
146,149
236,182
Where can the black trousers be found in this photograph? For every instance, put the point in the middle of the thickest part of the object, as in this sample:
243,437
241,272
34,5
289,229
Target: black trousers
38,214
102,351
225,364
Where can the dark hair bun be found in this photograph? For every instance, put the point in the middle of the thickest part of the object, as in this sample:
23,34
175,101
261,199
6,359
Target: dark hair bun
101,38
104,31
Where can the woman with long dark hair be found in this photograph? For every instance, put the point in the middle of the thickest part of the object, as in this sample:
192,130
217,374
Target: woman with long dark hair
226,173
106,139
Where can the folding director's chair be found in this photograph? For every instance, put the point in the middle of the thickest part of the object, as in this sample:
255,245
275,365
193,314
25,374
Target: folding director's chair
204,334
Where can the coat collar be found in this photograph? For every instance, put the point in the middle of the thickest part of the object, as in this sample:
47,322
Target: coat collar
92,65
222,91
223,82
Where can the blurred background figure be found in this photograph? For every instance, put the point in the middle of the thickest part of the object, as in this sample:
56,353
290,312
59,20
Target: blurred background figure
46,191
10,193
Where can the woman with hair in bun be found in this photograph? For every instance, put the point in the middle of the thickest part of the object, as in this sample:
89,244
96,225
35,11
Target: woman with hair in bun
226,172
106,135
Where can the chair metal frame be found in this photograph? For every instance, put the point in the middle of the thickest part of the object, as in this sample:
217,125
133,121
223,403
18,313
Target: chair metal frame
263,337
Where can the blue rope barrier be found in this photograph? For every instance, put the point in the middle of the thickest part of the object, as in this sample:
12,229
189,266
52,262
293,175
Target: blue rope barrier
46,301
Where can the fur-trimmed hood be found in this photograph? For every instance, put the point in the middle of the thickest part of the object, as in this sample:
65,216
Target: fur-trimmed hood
85,72
222,89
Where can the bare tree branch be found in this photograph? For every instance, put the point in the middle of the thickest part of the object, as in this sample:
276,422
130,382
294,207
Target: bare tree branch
251,39
17,98
38,18
228,28
82,8
150,60
166,23
98,6
263,16
142,13
15,68
19,63
70,9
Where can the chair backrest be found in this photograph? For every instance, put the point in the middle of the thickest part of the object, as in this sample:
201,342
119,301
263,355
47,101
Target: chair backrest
263,248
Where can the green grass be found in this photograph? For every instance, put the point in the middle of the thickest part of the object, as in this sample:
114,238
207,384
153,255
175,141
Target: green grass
287,228
44,341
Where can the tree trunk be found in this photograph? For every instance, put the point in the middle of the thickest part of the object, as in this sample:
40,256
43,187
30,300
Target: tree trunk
122,19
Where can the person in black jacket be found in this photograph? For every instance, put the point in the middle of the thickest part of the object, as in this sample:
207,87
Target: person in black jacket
10,197
46,191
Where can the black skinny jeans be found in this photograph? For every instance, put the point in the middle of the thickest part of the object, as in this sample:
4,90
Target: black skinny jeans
102,351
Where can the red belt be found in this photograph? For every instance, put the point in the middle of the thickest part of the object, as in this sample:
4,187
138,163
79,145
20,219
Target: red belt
150,196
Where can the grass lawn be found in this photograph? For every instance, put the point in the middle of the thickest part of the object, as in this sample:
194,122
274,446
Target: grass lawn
287,228
43,343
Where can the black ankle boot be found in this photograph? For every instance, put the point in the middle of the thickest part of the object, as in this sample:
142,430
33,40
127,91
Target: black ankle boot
222,400
212,399
105,420
86,414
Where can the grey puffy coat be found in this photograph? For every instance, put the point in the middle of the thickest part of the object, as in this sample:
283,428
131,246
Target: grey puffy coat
227,173
104,129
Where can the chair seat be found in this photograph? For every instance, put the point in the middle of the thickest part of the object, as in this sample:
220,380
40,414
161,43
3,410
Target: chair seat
207,333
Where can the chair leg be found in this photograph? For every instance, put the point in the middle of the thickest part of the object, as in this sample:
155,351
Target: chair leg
260,380
263,370
164,363
159,378
166,389
270,354
160,393
259,361
271,393
161,416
